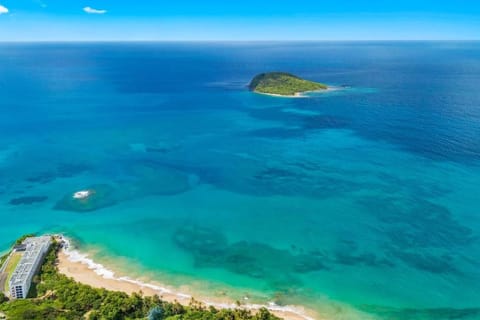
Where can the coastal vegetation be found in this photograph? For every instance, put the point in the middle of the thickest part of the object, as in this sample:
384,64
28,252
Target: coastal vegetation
284,84
55,296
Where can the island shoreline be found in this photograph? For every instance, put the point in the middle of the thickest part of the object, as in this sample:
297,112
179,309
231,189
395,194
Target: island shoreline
81,268
297,95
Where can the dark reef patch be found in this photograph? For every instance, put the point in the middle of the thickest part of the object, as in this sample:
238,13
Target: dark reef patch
288,180
151,178
272,173
304,121
277,133
42,178
156,150
413,186
421,234
27,200
419,223
68,170
200,241
102,196
427,262
210,249
284,119
63,170
162,147
367,259
323,122
347,253
305,263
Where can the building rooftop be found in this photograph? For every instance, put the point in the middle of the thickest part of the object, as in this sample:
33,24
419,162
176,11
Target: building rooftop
35,247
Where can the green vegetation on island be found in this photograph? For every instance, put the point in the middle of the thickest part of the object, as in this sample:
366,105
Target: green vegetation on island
284,84
55,296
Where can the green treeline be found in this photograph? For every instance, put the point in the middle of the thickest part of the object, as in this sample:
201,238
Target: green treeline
55,296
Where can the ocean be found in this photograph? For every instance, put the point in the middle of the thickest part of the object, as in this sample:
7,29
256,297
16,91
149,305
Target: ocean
360,203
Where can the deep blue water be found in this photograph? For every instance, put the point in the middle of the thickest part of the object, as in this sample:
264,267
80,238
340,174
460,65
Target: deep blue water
360,203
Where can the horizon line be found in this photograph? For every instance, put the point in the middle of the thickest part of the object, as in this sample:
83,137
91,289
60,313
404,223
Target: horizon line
235,41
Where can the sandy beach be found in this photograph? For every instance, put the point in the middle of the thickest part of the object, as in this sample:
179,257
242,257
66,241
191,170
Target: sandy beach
83,272
300,94
296,95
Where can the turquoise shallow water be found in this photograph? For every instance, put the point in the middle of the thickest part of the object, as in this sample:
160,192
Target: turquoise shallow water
365,198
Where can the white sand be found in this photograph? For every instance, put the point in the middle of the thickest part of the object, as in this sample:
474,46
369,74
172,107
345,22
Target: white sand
84,270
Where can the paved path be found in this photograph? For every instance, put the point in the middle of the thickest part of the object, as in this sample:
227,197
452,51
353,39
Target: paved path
3,279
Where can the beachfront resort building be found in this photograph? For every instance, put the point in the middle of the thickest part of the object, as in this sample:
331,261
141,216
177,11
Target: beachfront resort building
34,250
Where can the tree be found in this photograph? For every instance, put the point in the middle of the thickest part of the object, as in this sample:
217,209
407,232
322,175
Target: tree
3,298
156,313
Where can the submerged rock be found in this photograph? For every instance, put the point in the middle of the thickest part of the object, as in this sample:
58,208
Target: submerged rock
100,196
280,268
27,200
201,241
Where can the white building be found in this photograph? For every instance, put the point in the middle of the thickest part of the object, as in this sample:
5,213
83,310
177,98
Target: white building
29,264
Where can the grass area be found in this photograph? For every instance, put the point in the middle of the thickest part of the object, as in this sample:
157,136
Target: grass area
12,264
284,84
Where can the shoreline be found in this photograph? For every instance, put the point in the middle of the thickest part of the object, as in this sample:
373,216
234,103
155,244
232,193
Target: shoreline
83,269
303,94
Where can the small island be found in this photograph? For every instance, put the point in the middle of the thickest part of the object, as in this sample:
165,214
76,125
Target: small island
283,84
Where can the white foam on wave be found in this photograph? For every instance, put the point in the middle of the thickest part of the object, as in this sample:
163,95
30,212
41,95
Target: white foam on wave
78,257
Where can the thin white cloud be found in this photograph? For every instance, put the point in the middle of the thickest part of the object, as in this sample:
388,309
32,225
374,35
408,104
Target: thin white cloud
91,10
3,9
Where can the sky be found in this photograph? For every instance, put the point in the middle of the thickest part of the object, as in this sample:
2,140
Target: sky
238,20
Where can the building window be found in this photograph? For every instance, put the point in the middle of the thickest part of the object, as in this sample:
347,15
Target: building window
18,292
